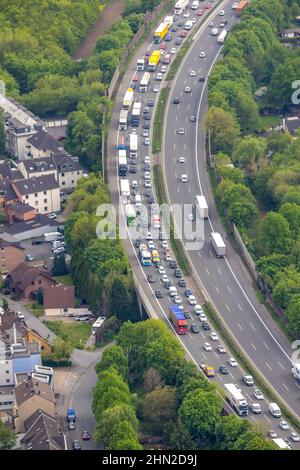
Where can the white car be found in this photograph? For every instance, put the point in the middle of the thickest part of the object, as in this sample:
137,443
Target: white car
147,142
198,309
295,437
221,13
232,362
207,347
258,395
161,270
173,50
211,24
186,14
192,73
255,408
202,55
164,278
194,20
235,5
192,300
155,89
164,244
202,317
190,217
181,160
214,336
20,316
284,425
168,258
148,184
187,89
177,299
147,175
151,245
145,133
184,178
147,159
163,69
181,131
149,236
52,215
221,349
159,77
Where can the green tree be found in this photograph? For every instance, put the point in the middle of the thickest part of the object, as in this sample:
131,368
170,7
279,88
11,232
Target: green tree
250,154
159,407
228,431
110,419
270,266
293,314
178,437
7,437
124,438
114,356
59,265
2,135
291,212
62,349
275,234
223,128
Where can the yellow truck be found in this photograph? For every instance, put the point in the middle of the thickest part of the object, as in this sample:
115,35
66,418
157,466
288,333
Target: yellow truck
209,371
155,256
160,33
154,60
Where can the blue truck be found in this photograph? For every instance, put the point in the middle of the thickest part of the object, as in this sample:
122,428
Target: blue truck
71,415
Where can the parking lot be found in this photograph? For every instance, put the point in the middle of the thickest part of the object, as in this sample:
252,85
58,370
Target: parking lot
42,254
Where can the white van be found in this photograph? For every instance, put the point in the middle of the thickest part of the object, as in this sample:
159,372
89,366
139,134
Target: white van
195,5
275,410
138,200
188,25
172,291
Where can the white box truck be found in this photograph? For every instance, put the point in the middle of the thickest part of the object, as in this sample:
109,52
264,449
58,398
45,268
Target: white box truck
133,145
218,244
222,36
123,120
169,20
52,236
236,400
202,207
125,191
140,64
281,443
275,410
180,6
195,5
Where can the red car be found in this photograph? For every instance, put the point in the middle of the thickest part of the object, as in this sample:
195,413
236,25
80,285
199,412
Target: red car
135,78
86,436
163,46
199,13
183,33
207,6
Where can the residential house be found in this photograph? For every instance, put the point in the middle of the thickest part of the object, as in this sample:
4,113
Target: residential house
60,301
43,432
25,281
30,335
42,144
290,33
20,124
32,395
291,125
7,401
42,193
32,228
11,255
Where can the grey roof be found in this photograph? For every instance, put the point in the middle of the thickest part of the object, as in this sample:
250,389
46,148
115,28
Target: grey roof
39,221
43,432
65,162
62,162
292,124
44,141
26,390
7,190
6,172
36,185
21,207
38,165
4,243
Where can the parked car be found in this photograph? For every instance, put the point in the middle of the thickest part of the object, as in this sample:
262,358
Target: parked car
29,257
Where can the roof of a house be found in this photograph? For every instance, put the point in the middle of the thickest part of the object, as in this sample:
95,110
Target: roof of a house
36,185
7,191
38,165
4,243
28,388
292,124
291,30
21,207
65,162
23,275
40,220
7,320
59,297
43,432
44,141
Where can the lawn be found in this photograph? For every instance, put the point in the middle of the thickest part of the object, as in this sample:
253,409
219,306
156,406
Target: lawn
36,309
265,122
66,279
77,333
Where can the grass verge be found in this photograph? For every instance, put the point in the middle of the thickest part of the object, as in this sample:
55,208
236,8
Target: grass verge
158,120
36,309
178,59
247,365
75,333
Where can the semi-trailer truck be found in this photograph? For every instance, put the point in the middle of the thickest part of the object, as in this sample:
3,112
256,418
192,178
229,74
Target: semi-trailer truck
160,32
241,7
169,20
218,244
177,318
154,60
180,6
202,207
236,400
128,98
123,120
133,145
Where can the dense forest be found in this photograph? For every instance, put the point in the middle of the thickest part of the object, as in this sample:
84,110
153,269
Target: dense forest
259,164
147,392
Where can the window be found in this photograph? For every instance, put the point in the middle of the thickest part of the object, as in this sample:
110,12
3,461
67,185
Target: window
45,208
3,266
45,200
36,194
2,249
62,174
36,203
78,172
39,281
65,310
7,371
63,183
32,283
26,197
45,193
72,181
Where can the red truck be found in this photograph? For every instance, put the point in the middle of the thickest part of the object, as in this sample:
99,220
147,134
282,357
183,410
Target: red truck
177,318
241,7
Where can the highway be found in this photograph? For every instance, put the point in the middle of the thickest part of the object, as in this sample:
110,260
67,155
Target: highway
217,271
225,281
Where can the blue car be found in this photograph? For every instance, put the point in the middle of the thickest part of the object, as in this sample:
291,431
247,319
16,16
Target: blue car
178,42
188,292
174,28
168,37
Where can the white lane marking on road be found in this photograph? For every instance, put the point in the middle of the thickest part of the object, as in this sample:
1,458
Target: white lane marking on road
188,107
181,93
176,118
282,367
175,175
216,355
191,336
266,346
184,81
199,254
240,307
231,375
204,356
252,326
211,255
189,190
195,81
229,289
253,346
254,419
174,145
220,377
203,335
240,327
178,189
268,366
185,146
227,308
174,160
220,272
287,389
207,271
217,289
195,58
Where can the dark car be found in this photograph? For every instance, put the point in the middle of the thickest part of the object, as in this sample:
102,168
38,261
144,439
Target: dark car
151,200
187,315
146,125
178,42
132,169
146,110
151,278
195,328
168,284
147,167
76,445
188,292
176,100
175,18
158,294
85,436
137,243
149,192
168,37
224,370
205,326
180,23
201,78
147,117
182,283
151,102
178,273
174,28
173,264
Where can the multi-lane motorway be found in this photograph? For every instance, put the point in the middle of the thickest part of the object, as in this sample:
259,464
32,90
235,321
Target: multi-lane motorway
225,282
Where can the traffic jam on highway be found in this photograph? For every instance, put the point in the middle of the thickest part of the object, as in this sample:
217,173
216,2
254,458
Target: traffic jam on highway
175,299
